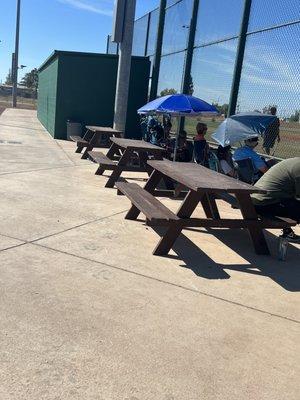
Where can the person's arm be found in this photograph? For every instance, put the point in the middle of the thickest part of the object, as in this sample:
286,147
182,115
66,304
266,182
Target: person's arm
278,130
259,163
263,169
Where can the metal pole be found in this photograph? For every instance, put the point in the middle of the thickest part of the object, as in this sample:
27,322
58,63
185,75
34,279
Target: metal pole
12,68
239,58
186,80
107,44
147,34
158,49
124,68
16,58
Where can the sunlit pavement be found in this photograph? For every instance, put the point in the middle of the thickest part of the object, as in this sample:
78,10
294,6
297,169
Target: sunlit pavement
87,312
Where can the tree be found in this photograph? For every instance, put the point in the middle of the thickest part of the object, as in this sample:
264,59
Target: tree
295,117
223,109
267,109
167,91
9,80
30,80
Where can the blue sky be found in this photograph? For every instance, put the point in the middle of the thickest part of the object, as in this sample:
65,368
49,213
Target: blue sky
47,25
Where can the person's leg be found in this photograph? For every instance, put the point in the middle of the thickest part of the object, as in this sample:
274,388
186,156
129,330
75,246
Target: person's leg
287,208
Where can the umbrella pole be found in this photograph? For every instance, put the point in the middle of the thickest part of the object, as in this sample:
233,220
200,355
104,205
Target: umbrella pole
176,141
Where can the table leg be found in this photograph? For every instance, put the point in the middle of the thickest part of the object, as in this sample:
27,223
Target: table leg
210,206
185,211
124,160
111,152
89,147
256,233
150,186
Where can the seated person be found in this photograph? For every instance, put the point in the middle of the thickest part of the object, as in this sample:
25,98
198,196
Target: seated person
182,153
247,151
282,183
225,160
201,147
156,134
144,128
167,130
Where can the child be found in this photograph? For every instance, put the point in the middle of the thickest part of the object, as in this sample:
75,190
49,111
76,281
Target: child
201,147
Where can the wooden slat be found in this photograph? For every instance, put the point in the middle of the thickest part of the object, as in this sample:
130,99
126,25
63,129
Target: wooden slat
236,223
197,177
101,158
79,140
136,144
103,129
153,209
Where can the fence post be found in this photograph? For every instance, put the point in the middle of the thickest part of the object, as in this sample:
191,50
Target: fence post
107,44
239,58
186,79
158,49
147,34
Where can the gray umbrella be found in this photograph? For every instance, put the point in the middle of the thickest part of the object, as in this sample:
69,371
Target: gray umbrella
241,127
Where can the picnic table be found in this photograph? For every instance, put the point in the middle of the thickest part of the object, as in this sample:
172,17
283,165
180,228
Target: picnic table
95,136
204,186
120,155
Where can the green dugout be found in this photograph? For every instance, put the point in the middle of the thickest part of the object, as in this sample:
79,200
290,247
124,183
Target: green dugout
81,87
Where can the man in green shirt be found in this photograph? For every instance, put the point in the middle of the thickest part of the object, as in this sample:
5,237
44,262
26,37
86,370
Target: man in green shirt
282,184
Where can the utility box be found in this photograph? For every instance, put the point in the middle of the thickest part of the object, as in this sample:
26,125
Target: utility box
82,86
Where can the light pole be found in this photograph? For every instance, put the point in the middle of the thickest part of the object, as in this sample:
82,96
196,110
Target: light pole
16,58
125,49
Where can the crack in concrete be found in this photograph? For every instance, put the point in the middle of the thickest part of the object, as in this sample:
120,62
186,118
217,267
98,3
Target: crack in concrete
65,230
34,243
171,284
43,169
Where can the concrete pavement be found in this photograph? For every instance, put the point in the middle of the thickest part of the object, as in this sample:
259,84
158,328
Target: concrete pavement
89,313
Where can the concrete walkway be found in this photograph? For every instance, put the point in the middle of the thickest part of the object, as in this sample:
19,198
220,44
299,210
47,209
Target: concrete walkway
88,313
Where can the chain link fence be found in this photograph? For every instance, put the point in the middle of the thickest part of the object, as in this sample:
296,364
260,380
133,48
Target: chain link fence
271,62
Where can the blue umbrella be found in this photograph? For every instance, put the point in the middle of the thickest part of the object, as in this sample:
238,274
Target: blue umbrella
240,127
179,105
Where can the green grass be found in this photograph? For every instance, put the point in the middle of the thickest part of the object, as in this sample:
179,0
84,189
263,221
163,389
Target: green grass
26,103
289,132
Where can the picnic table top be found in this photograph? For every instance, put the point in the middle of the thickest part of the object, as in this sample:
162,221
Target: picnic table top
197,177
136,144
102,129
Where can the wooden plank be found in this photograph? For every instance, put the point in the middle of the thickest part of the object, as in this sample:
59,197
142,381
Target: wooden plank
235,223
78,139
137,145
145,202
100,158
185,211
197,177
103,129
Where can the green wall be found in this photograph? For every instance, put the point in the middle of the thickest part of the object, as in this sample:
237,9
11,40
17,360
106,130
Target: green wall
47,96
85,85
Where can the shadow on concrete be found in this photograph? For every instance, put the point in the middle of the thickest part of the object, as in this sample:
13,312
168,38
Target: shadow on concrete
284,273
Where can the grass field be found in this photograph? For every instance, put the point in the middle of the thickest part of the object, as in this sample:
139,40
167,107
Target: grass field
25,103
289,145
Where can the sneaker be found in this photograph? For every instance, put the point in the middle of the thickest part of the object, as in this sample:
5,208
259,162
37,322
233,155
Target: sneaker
290,235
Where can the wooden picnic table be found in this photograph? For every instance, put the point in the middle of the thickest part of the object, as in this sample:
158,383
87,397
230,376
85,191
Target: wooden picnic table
204,185
95,136
120,155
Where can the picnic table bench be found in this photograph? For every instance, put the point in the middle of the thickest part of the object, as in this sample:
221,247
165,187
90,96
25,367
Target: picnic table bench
95,136
204,186
119,156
